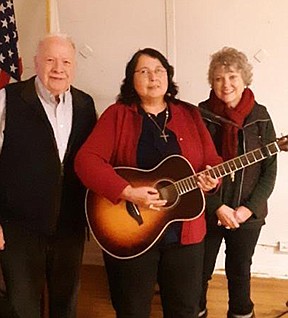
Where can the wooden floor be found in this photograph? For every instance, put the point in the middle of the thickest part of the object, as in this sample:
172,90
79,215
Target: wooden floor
269,296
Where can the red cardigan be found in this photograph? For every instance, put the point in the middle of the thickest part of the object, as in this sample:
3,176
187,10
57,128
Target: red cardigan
114,140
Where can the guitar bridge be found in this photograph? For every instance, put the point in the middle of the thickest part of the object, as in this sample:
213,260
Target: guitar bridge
134,212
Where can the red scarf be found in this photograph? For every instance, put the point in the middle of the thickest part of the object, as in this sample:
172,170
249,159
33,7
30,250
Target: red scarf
236,115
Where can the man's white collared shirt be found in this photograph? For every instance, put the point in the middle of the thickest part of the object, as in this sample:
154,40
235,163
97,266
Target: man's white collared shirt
59,114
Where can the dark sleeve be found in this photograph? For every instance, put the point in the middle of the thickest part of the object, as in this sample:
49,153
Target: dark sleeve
266,180
213,202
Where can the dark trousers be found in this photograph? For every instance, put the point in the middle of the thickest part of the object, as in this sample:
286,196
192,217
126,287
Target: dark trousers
177,270
6,310
240,245
30,260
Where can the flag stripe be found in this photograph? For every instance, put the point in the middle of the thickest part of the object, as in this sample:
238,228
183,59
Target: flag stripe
9,59
4,78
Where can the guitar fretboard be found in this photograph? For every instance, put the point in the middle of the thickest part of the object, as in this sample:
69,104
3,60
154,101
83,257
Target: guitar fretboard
190,183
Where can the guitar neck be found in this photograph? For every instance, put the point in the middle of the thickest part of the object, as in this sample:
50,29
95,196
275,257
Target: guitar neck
228,167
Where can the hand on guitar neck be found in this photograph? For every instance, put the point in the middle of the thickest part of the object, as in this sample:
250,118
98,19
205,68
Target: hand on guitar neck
206,182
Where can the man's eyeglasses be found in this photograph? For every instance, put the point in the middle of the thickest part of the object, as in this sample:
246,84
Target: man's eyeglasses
146,73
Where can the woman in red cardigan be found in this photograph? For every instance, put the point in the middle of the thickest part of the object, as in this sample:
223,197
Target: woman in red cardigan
147,129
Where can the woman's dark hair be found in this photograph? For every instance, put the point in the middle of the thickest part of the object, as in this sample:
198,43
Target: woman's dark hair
128,94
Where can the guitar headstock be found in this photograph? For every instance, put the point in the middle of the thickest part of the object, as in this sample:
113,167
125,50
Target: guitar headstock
283,143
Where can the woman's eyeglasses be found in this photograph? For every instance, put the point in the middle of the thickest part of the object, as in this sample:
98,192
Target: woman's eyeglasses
146,72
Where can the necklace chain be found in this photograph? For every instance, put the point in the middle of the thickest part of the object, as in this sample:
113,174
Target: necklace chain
163,134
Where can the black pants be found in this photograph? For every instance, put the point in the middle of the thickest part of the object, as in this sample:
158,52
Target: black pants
6,310
30,259
240,245
178,272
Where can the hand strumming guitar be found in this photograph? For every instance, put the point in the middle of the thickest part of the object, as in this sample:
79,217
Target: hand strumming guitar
143,197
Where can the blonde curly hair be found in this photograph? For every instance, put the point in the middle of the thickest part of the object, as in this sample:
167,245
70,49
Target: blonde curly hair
230,57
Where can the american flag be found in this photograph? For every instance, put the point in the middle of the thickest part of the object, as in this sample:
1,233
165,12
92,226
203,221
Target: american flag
9,60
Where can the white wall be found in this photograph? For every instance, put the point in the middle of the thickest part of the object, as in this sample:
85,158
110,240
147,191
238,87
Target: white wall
187,32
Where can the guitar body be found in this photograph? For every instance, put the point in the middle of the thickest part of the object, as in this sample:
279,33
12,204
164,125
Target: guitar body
120,233
124,231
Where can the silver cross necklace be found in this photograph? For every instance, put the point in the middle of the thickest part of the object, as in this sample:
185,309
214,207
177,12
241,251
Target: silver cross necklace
162,131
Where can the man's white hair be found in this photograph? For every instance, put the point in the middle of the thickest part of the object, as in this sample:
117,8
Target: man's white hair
63,36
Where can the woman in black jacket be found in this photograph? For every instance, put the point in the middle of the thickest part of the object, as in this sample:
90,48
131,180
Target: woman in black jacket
238,124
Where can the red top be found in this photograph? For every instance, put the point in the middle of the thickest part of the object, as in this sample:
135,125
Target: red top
114,141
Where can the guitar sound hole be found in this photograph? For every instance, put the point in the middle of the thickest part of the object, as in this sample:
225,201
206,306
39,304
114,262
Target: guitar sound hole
167,192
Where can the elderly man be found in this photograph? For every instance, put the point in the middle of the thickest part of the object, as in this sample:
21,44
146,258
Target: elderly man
43,122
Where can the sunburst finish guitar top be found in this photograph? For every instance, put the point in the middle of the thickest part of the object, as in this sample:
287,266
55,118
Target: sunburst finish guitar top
125,234
125,231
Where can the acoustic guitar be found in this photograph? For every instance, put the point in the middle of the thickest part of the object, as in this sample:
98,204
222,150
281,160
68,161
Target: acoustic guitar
125,231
